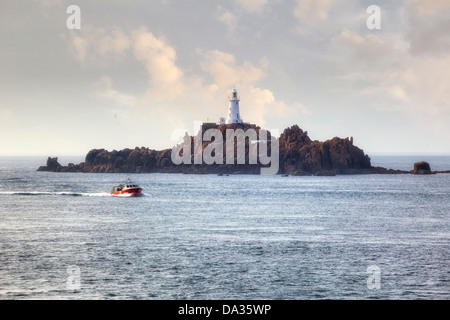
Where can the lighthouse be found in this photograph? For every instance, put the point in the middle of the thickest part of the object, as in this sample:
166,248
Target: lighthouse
234,115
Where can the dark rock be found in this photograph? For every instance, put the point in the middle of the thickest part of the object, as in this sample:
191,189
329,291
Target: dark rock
325,174
51,166
422,167
299,174
299,155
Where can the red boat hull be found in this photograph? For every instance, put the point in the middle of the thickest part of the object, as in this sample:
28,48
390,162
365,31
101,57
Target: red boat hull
135,192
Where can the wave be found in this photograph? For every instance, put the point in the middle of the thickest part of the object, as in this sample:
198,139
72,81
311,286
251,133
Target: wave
63,193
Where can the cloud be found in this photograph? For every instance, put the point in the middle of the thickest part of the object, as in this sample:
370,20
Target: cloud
104,46
370,49
81,46
228,18
99,45
159,59
321,19
49,3
390,80
391,77
253,6
428,27
313,12
103,89
226,72
419,89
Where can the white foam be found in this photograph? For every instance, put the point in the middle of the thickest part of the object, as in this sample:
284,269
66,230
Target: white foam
48,193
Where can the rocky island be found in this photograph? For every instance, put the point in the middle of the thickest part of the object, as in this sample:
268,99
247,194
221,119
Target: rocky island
233,146
298,155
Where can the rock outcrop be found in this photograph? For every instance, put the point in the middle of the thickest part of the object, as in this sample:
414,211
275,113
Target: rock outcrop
138,160
52,165
422,167
299,155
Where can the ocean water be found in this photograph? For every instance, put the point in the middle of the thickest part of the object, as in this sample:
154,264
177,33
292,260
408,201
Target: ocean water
406,162
62,236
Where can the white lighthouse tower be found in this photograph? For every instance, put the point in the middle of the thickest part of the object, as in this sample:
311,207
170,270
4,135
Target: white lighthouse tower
234,115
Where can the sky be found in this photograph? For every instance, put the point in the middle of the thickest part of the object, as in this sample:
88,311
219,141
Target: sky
137,73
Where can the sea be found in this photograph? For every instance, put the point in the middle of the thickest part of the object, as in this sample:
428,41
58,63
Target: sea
208,237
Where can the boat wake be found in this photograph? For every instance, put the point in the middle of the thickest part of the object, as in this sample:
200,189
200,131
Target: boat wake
63,193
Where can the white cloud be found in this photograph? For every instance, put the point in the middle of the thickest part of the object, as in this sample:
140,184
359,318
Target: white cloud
159,58
80,44
370,49
100,45
228,18
226,72
429,25
103,46
320,19
50,3
254,6
104,89
313,12
390,76
390,81
419,88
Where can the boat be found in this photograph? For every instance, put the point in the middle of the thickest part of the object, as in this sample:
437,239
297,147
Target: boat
127,189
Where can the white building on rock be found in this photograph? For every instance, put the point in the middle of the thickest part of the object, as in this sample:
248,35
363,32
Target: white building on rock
234,116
